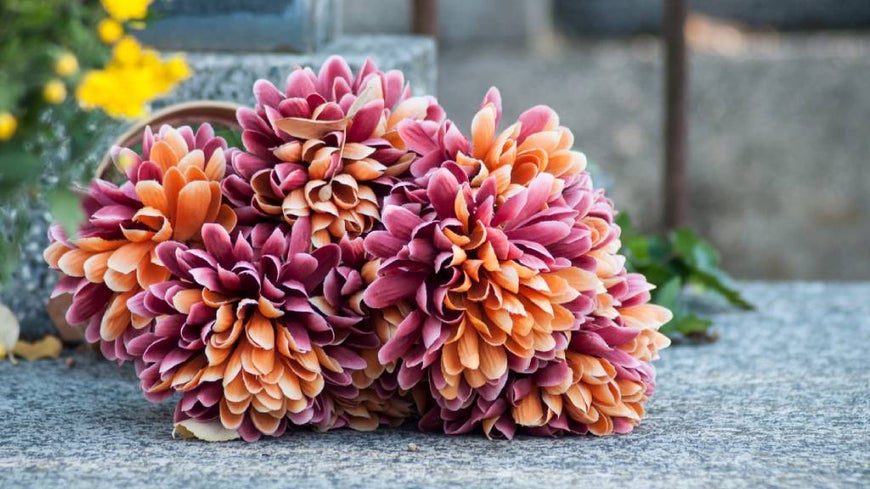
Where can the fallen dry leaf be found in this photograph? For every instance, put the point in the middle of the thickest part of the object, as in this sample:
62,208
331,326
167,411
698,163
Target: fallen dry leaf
9,331
212,431
48,347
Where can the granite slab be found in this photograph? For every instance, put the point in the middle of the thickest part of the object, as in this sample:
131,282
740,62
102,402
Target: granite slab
243,25
781,400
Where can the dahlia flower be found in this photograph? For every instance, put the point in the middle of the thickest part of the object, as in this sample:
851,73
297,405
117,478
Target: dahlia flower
257,332
534,144
325,149
488,296
378,400
598,385
520,313
171,190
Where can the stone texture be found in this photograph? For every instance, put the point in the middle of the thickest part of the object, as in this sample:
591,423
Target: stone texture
777,126
460,21
780,400
243,26
231,76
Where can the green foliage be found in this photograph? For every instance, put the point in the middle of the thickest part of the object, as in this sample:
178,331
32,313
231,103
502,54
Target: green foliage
231,136
672,263
52,143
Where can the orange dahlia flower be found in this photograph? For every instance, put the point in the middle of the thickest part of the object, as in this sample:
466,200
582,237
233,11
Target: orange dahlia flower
535,144
326,149
173,188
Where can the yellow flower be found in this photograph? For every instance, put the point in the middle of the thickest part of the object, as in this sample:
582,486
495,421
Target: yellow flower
110,30
133,77
8,124
128,51
54,92
124,10
66,65
177,69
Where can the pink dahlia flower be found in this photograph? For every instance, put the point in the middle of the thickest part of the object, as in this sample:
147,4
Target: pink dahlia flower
520,313
534,144
487,295
597,385
171,190
326,149
377,400
253,330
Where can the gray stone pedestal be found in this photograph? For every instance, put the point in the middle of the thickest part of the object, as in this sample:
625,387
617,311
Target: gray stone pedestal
243,25
231,76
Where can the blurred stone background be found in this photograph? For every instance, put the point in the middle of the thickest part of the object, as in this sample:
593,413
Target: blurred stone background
779,112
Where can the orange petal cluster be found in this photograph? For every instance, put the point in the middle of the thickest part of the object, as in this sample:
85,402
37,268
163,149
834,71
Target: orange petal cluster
328,148
535,144
176,191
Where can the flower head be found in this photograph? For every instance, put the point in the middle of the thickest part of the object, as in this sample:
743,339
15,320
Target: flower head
534,144
132,78
124,10
326,149
66,65
110,30
520,314
54,92
8,125
378,399
250,322
488,295
171,191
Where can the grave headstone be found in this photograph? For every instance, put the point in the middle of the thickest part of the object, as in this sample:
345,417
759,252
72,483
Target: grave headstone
243,25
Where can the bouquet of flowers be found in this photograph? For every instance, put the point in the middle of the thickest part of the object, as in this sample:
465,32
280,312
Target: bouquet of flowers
360,261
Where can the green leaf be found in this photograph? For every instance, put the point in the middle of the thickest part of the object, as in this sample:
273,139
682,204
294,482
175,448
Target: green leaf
232,137
17,167
690,323
668,296
66,209
693,250
671,263
701,261
722,284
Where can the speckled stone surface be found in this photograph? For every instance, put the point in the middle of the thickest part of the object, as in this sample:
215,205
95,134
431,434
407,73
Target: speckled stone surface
781,400
231,76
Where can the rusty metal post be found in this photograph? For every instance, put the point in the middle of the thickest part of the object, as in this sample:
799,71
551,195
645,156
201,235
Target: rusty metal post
676,81
424,17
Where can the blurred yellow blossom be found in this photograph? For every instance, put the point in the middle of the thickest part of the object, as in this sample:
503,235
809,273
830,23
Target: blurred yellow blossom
124,10
178,68
8,124
66,65
127,51
54,92
132,78
110,30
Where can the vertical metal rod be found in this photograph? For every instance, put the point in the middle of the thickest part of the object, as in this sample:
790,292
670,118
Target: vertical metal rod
676,81
424,17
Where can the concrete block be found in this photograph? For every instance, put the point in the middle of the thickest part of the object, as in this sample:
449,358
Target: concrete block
243,26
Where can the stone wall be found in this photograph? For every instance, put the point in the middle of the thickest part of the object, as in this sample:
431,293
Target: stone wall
480,21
